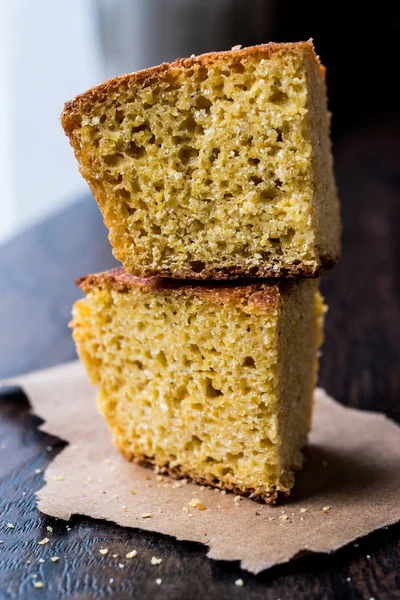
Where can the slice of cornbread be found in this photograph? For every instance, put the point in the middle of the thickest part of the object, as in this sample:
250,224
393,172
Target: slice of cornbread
215,166
208,381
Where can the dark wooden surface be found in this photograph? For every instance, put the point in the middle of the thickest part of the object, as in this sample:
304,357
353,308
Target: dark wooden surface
360,367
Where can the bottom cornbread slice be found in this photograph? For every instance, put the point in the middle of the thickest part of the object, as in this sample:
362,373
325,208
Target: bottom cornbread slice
208,381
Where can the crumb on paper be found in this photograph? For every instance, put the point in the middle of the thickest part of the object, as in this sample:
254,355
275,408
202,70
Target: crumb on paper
239,582
103,551
55,559
146,515
159,581
90,479
58,478
38,584
131,554
155,561
50,529
194,502
44,541
10,526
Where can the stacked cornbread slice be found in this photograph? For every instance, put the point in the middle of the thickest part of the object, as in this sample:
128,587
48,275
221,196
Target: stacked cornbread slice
213,174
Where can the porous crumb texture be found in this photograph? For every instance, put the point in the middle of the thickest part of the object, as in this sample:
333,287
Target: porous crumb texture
212,383
215,166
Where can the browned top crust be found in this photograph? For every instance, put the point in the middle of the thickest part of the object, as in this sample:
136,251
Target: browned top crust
147,77
263,294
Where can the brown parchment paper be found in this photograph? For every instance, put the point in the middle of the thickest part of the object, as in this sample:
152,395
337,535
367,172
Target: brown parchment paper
352,467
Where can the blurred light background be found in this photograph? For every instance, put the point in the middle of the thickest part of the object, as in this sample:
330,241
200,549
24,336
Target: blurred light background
51,50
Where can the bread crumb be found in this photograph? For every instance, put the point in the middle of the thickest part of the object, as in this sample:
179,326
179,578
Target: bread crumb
325,509
10,526
38,584
44,541
159,478
239,582
237,47
284,517
159,581
146,516
103,551
155,561
90,479
58,478
131,554
49,528
194,502
54,559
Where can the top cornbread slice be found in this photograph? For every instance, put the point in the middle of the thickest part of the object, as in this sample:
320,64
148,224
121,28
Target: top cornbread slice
216,166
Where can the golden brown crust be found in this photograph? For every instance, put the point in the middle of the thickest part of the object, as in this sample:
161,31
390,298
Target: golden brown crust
263,294
236,273
147,77
179,472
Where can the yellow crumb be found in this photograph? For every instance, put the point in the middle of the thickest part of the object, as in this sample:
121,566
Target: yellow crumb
239,582
103,551
131,554
58,478
10,526
146,515
44,541
284,517
325,509
54,559
303,510
49,528
38,584
90,479
194,502
158,581
155,561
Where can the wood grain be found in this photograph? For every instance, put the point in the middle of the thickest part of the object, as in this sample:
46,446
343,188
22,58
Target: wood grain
360,367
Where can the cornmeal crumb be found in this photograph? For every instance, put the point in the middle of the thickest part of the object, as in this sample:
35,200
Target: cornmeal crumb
155,561
58,478
326,509
303,510
284,517
194,502
54,559
239,582
103,551
131,554
146,515
10,526
50,529
38,584
90,479
44,541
